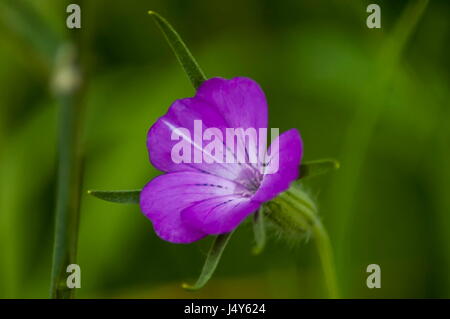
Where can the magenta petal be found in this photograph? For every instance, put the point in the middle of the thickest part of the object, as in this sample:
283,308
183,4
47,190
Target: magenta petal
204,196
220,214
290,154
182,114
240,100
219,103
163,199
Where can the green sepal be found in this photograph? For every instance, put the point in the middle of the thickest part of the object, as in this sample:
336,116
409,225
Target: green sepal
211,262
122,197
318,167
184,56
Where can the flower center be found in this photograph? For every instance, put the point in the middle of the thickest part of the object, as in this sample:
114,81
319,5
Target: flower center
250,180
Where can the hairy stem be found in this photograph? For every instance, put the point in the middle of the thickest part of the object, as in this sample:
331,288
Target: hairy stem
325,251
296,213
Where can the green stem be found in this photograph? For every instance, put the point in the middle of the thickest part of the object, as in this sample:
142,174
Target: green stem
259,231
67,90
297,213
325,251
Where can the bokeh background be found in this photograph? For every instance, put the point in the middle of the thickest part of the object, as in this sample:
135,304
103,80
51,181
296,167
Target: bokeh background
375,99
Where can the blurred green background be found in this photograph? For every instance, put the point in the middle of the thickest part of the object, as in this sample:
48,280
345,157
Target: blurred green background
376,99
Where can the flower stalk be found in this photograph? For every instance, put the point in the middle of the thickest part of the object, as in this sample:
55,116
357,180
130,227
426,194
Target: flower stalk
259,230
296,213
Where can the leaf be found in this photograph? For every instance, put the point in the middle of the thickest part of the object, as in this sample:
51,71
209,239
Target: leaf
318,167
260,232
214,254
123,197
181,51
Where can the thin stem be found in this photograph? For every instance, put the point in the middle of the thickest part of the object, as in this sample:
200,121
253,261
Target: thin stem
298,213
326,257
259,231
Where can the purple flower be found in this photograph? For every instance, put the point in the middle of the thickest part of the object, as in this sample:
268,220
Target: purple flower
193,200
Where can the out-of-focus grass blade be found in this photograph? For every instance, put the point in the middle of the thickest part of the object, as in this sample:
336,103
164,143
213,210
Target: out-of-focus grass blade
214,254
123,197
259,231
318,167
181,51
22,19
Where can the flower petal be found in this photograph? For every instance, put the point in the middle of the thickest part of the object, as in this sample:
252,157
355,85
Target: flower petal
182,114
220,104
219,215
240,100
163,199
290,151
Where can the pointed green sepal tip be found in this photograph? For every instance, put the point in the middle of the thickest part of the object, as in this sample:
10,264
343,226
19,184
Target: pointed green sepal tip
122,196
257,250
318,167
181,51
211,262
188,287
